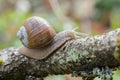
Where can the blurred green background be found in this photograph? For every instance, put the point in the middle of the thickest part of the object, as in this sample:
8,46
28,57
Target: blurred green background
89,16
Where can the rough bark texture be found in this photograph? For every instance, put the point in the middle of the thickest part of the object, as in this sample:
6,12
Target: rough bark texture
76,55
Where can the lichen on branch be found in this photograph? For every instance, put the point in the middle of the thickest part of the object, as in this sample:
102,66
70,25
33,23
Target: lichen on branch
77,55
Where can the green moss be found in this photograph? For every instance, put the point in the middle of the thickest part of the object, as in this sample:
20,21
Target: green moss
118,42
117,54
117,49
55,77
97,78
116,75
85,53
61,61
1,61
73,55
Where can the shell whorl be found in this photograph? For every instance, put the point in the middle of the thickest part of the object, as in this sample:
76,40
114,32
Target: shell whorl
36,32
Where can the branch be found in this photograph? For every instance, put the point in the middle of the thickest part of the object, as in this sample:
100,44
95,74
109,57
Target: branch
77,55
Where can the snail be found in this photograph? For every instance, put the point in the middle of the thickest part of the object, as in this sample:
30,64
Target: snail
39,39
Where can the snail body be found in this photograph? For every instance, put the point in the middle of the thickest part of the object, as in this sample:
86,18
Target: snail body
39,39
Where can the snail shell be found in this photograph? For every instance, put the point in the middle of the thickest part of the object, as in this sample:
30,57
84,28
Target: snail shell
36,49
36,33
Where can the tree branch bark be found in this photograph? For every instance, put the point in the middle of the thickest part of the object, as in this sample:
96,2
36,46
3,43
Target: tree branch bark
77,55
